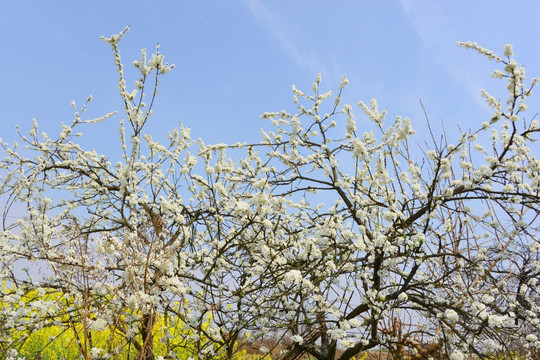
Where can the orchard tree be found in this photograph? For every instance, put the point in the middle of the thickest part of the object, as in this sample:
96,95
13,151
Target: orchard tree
158,234
333,240
433,251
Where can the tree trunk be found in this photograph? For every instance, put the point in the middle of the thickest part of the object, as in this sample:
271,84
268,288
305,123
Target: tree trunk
147,338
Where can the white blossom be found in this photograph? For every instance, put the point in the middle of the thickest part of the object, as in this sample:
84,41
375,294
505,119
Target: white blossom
293,277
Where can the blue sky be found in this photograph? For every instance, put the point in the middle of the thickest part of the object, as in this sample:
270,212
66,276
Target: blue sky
237,59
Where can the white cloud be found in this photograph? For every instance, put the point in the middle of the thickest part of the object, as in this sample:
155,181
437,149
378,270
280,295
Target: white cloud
282,34
437,27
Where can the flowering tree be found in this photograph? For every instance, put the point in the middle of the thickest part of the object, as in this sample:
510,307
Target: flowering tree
118,240
333,240
413,253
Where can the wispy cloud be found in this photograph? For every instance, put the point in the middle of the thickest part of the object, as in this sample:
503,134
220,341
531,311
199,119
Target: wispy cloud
53,29
282,35
437,30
